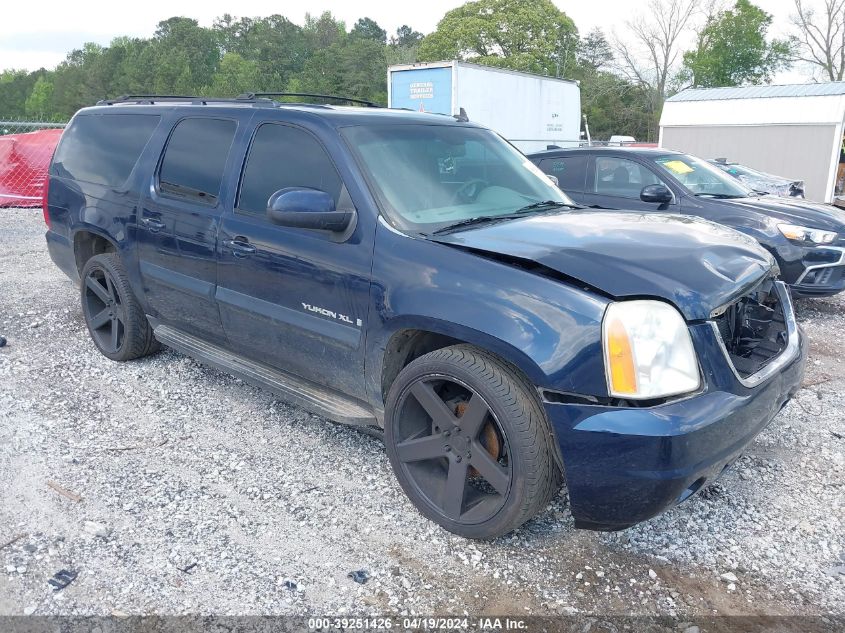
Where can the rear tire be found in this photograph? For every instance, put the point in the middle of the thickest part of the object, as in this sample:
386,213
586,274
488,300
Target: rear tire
470,443
116,322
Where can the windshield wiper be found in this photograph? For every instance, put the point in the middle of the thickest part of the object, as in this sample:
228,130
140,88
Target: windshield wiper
550,205
718,196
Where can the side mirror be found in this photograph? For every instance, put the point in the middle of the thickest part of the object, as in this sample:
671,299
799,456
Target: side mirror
658,194
304,208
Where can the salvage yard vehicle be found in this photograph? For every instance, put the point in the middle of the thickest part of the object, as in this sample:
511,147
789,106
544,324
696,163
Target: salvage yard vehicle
414,273
806,238
761,182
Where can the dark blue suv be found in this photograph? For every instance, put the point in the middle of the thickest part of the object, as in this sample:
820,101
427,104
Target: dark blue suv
415,275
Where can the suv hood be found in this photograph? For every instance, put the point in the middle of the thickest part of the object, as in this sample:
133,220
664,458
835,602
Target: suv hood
794,211
696,265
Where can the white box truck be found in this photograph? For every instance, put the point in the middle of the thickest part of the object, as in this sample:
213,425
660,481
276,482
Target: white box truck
531,111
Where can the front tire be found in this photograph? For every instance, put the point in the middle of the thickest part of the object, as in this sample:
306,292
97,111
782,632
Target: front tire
116,322
469,442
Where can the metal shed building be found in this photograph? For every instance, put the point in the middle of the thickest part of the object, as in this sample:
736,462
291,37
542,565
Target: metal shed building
793,131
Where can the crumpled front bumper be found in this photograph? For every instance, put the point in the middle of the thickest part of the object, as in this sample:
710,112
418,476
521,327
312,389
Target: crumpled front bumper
626,465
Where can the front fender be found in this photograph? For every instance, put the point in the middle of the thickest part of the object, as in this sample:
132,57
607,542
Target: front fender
549,329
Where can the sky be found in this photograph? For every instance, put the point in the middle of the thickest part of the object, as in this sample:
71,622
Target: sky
43,38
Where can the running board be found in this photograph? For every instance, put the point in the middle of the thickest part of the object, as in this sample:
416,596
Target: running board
290,388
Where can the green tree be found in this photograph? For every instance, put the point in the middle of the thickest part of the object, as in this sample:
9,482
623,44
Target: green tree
278,47
354,67
369,29
406,36
528,35
235,76
611,103
594,52
403,47
186,56
15,87
732,49
40,100
324,31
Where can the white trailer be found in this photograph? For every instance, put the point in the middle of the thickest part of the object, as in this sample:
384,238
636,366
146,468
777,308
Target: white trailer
531,111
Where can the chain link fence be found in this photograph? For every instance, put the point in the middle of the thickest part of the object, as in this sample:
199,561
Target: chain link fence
25,151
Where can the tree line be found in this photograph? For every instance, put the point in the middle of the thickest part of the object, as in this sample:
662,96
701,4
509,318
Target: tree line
625,76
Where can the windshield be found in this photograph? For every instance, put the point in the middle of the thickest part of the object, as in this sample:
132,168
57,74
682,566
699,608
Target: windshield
702,178
428,177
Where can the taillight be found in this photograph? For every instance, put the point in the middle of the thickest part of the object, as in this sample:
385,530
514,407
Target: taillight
45,207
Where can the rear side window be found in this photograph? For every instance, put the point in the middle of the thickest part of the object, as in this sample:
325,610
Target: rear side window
103,148
282,156
195,158
570,171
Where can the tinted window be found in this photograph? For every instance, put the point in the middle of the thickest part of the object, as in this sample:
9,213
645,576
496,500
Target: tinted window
103,148
281,157
570,171
195,157
622,178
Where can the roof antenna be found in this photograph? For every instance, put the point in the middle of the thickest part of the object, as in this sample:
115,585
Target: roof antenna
461,116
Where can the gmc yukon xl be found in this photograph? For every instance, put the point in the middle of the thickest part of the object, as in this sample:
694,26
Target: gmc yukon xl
415,275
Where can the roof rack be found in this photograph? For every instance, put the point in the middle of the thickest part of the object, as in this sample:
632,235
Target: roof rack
310,95
257,98
194,100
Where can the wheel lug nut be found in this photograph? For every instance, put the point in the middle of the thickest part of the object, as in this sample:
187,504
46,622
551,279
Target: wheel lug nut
458,458
447,433
447,448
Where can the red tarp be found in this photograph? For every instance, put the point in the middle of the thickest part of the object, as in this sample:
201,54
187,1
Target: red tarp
24,159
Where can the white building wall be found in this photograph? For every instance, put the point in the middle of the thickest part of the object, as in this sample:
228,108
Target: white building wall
794,137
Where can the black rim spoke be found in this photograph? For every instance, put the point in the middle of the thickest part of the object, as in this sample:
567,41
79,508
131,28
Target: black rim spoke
495,474
115,331
474,416
433,404
103,310
453,494
100,319
421,449
97,288
453,449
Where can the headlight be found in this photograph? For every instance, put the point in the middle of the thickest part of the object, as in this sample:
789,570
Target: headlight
804,234
648,351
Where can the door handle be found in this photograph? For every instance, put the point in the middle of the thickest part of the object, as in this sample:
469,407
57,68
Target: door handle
153,225
240,246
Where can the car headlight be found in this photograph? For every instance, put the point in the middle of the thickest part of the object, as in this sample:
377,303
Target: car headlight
805,234
648,351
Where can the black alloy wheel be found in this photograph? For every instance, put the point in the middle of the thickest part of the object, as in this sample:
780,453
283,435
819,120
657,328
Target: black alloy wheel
104,311
453,449
469,442
115,318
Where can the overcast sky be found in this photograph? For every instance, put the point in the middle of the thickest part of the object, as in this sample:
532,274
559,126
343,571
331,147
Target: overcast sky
31,38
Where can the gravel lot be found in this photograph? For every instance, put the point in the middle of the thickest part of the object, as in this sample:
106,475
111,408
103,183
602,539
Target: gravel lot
201,494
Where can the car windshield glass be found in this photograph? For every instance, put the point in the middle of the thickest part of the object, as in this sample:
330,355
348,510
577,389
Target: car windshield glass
429,177
739,170
702,178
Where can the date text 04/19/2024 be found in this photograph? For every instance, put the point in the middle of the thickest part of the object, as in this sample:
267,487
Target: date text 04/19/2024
417,623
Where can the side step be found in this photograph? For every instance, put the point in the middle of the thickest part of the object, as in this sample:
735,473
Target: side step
293,389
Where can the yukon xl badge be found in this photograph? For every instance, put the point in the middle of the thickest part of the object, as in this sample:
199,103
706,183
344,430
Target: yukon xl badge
331,314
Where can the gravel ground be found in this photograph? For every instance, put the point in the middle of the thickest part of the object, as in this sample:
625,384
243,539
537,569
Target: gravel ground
198,493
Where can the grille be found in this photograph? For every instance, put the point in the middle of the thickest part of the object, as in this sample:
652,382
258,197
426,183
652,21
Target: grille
754,329
827,276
